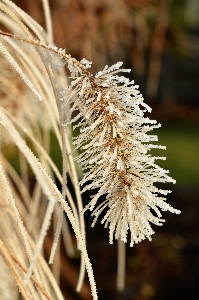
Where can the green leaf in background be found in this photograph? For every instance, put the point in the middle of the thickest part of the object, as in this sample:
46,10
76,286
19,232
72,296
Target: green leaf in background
182,154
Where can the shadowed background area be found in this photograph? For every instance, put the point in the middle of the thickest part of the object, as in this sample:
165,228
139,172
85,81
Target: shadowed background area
159,41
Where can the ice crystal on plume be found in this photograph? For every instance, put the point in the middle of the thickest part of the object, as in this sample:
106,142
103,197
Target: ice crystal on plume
113,137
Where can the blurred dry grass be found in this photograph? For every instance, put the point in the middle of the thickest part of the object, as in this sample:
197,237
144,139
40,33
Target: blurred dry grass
106,31
139,33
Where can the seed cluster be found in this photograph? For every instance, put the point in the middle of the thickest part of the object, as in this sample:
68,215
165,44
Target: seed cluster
115,143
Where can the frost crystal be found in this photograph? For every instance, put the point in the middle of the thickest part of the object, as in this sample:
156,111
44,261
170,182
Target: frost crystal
86,63
113,137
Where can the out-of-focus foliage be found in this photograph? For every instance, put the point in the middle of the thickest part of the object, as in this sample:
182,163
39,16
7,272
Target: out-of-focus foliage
140,33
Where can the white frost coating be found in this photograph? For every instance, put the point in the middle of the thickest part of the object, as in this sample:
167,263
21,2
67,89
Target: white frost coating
20,72
115,143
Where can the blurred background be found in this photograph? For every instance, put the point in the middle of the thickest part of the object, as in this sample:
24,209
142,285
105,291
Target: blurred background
159,41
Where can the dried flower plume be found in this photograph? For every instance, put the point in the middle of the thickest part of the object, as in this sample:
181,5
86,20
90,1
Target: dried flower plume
108,110
115,142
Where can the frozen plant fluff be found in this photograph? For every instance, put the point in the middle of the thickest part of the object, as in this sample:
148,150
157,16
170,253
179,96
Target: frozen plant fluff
115,143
